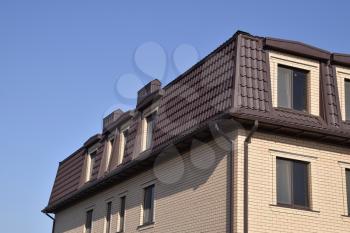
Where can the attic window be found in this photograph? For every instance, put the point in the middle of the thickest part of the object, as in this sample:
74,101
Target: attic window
110,150
90,165
123,139
149,131
292,88
347,99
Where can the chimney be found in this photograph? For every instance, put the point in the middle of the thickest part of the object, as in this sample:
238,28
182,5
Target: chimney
111,118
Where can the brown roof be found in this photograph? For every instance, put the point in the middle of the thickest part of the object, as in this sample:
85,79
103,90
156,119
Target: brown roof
232,80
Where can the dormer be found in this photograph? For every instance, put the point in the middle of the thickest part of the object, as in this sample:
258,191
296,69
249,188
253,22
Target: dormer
149,94
295,75
342,63
145,116
115,127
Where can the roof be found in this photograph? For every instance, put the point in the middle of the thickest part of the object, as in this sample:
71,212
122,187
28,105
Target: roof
232,81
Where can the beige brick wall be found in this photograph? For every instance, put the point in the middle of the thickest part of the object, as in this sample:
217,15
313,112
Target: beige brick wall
190,191
327,183
313,67
190,196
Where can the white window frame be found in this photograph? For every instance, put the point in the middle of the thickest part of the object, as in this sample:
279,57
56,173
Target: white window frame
110,200
274,155
313,82
344,166
121,144
144,127
143,187
123,194
342,74
88,164
90,208
111,137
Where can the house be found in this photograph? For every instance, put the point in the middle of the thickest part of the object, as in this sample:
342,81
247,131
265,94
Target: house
253,138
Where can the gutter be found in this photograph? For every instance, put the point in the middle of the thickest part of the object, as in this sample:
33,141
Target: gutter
53,220
247,141
230,198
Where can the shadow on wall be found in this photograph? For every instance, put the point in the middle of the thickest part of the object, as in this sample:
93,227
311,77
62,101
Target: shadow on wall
186,183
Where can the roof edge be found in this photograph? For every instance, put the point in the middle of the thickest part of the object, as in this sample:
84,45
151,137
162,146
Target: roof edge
297,48
341,59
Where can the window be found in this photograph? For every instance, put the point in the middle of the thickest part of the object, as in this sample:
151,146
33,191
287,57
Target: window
90,165
348,188
124,137
292,88
292,183
108,217
122,214
149,130
347,99
88,222
148,205
110,150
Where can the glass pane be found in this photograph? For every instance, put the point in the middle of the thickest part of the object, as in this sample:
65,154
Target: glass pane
108,217
148,205
88,223
347,99
284,181
125,136
150,126
284,87
299,90
92,164
122,214
348,188
300,184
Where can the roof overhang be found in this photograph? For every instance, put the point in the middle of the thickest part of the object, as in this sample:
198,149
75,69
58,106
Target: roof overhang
297,48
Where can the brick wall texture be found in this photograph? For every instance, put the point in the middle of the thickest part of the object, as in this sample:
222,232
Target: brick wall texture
191,191
190,196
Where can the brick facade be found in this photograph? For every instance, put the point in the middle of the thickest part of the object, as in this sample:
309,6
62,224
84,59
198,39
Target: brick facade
192,202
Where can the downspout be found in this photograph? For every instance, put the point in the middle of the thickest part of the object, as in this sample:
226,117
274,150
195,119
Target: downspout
230,176
53,220
246,174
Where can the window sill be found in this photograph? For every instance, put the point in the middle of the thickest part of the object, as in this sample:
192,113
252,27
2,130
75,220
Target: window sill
146,226
292,110
294,210
346,218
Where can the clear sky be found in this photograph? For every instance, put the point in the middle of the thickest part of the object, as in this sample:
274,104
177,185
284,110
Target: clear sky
65,64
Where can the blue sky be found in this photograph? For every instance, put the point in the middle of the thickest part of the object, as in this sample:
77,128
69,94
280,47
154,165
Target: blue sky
61,64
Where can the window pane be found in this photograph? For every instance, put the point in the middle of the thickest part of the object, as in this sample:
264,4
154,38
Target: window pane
299,90
150,126
108,217
92,163
284,87
88,223
148,205
284,181
348,188
347,99
122,214
300,184
125,136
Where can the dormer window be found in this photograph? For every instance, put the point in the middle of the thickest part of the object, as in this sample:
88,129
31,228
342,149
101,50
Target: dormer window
90,165
295,83
110,150
122,149
347,99
292,88
149,131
